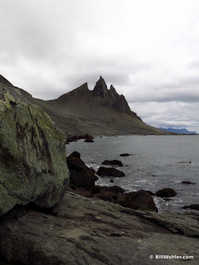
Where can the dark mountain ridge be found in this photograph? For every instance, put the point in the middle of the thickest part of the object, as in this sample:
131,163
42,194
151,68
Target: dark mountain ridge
100,94
100,111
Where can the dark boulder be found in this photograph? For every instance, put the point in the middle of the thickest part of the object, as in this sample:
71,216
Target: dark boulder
89,140
108,193
75,154
125,154
167,192
115,189
121,198
150,192
71,138
110,171
81,191
139,200
192,206
114,162
80,174
74,138
188,182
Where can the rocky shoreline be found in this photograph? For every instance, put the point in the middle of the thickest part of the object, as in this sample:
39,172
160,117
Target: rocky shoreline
43,222
82,182
86,231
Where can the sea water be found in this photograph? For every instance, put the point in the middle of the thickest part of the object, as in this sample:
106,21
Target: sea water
155,162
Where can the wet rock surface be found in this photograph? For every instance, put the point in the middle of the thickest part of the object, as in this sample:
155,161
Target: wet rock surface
110,171
114,162
125,154
188,182
82,182
141,200
88,231
80,174
166,192
192,206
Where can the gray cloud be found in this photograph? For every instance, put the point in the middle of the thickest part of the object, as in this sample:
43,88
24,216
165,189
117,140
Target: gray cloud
148,50
172,114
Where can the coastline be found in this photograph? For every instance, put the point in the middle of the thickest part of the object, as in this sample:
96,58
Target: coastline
155,163
97,232
43,223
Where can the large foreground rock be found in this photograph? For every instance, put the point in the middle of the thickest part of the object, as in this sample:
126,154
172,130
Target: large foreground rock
83,231
32,153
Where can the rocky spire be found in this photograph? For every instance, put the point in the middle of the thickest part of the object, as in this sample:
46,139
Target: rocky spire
113,90
100,88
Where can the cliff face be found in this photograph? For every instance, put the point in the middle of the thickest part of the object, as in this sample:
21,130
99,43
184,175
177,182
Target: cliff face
30,170
110,98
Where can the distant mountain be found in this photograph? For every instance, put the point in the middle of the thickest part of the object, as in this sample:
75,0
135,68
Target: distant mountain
100,111
178,131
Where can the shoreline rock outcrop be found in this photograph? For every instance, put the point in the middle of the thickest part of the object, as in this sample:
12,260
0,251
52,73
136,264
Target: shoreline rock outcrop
82,182
80,174
192,206
73,230
114,162
88,231
32,154
166,192
110,172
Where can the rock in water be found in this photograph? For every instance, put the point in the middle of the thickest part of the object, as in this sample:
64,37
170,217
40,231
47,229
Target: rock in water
33,164
114,162
166,192
139,200
80,174
110,171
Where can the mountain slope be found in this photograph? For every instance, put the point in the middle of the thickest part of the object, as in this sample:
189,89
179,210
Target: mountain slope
100,111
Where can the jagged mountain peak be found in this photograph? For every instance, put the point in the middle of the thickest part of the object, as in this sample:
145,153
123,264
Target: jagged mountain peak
99,96
81,89
100,88
79,92
113,90
110,98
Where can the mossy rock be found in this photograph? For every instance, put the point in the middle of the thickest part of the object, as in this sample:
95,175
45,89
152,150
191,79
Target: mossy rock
32,154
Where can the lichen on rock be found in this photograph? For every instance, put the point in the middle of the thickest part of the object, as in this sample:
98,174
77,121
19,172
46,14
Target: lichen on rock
32,154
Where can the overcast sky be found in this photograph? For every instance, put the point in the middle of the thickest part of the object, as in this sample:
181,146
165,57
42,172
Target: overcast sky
148,50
